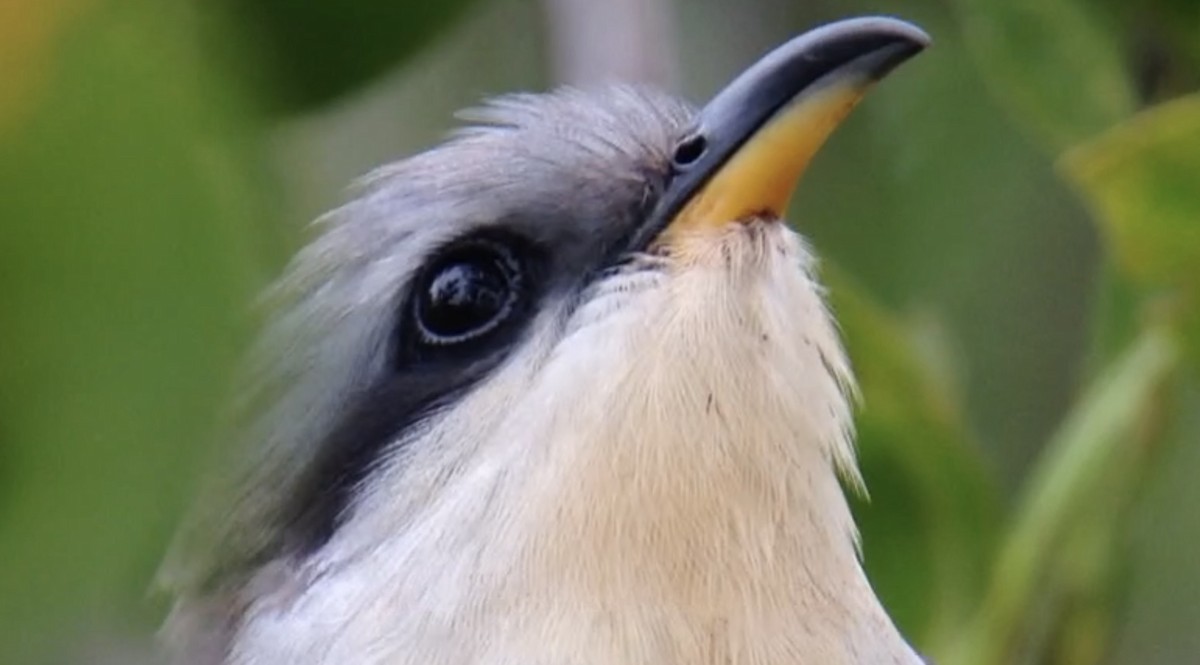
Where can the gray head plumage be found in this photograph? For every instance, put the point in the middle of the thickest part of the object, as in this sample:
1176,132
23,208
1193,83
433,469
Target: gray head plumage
577,167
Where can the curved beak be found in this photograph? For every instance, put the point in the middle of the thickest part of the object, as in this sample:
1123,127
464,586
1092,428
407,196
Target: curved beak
753,141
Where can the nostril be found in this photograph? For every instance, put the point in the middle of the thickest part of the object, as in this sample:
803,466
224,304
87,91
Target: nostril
689,150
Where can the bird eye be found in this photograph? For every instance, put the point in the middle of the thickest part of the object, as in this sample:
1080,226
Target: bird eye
689,150
467,293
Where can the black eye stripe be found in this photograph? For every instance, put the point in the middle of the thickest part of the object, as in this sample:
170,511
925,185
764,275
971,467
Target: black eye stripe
357,443
423,377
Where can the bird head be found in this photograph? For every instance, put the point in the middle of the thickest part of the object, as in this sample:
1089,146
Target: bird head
567,374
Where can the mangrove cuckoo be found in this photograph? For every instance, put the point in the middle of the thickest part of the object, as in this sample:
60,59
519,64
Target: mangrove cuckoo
561,391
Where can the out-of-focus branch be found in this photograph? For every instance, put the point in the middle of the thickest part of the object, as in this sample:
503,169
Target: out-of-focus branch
594,41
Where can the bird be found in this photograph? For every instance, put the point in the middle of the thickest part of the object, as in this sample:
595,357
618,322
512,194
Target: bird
562,390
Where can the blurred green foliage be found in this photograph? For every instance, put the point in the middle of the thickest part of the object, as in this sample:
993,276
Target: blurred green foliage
309,53
918,458
1029,380
1052,62
132,227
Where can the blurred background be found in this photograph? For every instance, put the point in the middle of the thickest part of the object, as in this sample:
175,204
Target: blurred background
1011,228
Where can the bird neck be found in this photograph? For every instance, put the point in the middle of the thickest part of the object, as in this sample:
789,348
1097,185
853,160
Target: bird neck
745,540
701,500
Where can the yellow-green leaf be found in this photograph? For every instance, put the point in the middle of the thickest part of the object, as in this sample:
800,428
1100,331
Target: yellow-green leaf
1142,179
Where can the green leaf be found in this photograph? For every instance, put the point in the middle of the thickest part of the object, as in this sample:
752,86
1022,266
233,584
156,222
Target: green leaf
1158,611
932,517
1094,445
1052,63
303,54
129,244
1142,181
